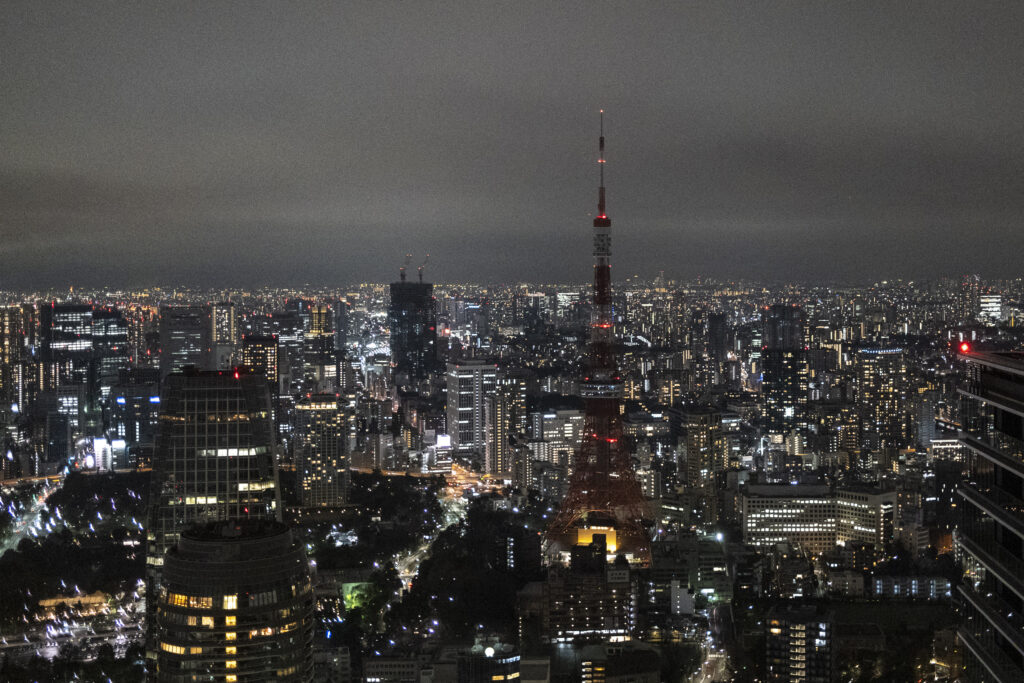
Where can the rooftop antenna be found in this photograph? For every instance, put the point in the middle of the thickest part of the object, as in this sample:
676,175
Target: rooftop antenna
600,162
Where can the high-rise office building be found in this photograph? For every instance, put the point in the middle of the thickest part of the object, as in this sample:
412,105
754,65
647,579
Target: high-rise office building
290,329
563,429
321,453
470,383
413,323
111,351
214,457
803,516
990,538
236,605
185,338
340,308
784,363
718,337
320,359
505,419
815,518
224,333
134,413
784,327
259,356
65,335
990,308
12,348
319,337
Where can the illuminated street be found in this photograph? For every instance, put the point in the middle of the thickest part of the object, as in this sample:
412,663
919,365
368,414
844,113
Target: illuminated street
33,522
453,505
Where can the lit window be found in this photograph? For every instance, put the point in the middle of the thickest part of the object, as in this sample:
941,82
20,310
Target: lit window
231,664
230,635
229,620
207,622
230,650
230,602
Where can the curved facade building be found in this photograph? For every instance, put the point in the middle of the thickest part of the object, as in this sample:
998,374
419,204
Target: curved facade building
236,604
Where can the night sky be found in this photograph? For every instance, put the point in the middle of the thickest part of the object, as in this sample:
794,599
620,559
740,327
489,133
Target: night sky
280,143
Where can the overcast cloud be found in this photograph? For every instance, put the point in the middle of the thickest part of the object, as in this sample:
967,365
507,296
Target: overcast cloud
283,143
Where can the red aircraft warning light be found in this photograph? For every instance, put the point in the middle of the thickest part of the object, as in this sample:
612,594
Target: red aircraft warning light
965,347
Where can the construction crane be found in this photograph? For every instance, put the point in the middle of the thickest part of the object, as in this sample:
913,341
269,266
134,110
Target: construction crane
419,271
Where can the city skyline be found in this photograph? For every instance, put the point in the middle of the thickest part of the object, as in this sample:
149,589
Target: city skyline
773,143
782,442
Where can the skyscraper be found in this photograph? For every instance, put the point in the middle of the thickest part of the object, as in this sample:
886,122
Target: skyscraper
289,328
259,355
990,538
470,383
236,605
703,452
111,352
65,332
224,334
969,298
185,338
881,397
784,383
505,419
320,358
11,350
214,457
413,324
322,458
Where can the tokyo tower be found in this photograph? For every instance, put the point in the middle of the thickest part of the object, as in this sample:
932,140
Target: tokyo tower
604,495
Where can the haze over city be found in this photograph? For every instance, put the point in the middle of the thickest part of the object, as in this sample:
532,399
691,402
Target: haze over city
201,144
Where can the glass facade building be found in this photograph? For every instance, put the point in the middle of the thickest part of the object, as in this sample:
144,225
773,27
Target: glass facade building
236,605
214,458
990,540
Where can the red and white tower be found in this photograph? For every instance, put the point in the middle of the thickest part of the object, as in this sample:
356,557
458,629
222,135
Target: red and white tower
604,495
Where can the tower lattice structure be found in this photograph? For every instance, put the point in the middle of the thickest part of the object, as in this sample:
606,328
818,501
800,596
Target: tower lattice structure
603,488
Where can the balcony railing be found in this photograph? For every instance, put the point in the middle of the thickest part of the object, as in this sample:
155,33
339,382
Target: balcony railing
1003,617
999,666
997,391
1003,565
1006,508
